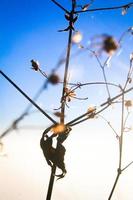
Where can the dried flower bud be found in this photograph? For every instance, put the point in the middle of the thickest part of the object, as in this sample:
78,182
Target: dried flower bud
85,7
54,79
91,111
110,45
35,65
77,37
129,103
59,128
69,94
124,10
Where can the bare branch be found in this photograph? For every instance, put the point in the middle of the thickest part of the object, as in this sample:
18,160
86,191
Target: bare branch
60,6
127,166
104,104
27,97
104,9
117,136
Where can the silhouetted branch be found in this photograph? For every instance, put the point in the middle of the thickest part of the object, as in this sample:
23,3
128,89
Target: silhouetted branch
63,101
27,97
60,6
105,9
115,183
103,104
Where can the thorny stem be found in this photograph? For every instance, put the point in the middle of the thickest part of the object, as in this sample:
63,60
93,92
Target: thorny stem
63,100
104,9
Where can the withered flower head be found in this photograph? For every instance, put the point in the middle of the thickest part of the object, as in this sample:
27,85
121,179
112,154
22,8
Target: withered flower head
69,94
58,128
110,45
129,103
54,79
35,65
91,111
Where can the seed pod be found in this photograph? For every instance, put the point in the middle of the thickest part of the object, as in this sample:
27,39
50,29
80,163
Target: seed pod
54,79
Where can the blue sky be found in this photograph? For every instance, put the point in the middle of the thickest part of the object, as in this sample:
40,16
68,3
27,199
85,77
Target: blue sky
29,30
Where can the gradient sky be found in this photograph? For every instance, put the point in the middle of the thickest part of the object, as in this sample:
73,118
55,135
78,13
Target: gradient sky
29,30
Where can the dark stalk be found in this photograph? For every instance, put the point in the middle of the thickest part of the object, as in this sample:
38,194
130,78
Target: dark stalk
115,183
27,97
104,9
21,117
103,104
63,100
60,6
89,116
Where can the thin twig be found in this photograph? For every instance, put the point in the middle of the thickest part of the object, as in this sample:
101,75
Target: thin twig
127,166
63,101
103,104
115,183
120,149
60,6
27,97
73,123
105,9
117,136
123,123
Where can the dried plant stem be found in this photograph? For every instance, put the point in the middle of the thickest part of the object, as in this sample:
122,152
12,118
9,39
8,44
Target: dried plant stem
127,166
27,97
63,100
119,171
123,123
104,9
21,117
103,104
60,6
116,134
65,75
103,71
115,183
